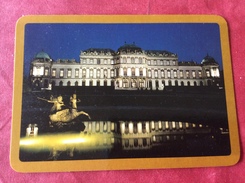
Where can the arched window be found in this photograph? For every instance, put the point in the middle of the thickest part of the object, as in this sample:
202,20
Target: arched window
68,83
176,83
207,73
133,71
61,83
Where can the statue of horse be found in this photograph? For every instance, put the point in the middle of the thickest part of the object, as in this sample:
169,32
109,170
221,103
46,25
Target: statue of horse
66,115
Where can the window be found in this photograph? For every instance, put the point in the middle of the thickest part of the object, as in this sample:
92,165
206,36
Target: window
133,71
60,83
187,74
133,84
125,83
169,74
175,74
112,73
76,73
98,61
162,73
132,60
141,72
140,60
62,73
46,72
91,73
149,73
84,73
181,74
105,73
53,72
141,83
194,74
69,73
207,73
156,73
98,73
200,74
125,71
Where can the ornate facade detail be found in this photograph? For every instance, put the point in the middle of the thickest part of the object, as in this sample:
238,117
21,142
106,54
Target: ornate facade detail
128,68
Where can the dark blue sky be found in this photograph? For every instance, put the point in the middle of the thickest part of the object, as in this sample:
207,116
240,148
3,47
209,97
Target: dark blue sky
191,41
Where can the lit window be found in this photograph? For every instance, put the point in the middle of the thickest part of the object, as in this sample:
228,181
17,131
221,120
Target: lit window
181,74
46,72
53,72
194,74
149,73
208,73
156,73
61,73
187,74
98,73
105,73
69,73
162,73
84,73
91,73
112,73
169,74
77,73
199,74
175,74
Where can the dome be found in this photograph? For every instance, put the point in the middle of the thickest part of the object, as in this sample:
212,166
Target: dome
129,48
42,54
208,60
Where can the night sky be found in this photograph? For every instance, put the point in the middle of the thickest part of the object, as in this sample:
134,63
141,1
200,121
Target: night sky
191,41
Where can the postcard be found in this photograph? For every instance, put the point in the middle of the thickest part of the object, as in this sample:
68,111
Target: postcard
123,92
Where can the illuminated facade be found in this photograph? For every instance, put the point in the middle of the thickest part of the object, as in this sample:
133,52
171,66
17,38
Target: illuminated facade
128,68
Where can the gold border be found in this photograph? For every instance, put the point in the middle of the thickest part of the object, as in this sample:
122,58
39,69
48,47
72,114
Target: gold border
123,164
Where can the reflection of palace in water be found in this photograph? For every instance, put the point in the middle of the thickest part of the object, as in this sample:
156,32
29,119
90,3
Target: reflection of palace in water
140,135
128,68
131,135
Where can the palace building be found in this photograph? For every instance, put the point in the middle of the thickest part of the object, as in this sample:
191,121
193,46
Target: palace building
128,68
